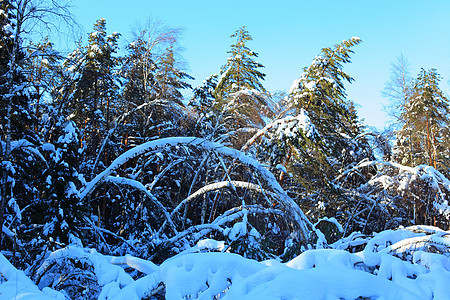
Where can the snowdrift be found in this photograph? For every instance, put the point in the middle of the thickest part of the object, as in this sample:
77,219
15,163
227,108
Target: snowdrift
410,263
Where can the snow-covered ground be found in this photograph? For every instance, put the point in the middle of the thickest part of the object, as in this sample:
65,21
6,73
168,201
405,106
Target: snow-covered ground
410,263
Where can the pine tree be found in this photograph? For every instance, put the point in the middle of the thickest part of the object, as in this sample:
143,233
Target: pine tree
422,139
95,99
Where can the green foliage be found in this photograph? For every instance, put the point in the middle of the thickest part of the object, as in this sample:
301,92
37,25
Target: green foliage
319,137
423,137
241,70
320,91
235,102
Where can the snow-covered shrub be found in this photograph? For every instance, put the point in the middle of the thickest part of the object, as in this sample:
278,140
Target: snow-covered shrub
73,276
176,191
398,195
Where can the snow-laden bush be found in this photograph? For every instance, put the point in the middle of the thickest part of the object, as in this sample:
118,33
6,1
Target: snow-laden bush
167,194
396,195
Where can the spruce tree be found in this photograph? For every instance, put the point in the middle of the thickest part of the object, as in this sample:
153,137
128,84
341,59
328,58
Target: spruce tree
320,92
58,214
322,135
241,69
241,103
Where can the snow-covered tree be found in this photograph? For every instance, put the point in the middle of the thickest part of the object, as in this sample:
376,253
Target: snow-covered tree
423,137
168,193
318,136
95,100
235,101
320,93
18,137
54,220
398,195
241,69
153,83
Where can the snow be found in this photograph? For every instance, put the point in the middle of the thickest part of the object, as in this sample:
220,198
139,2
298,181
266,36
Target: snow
281,168
331,220
70,134
207,245
239,229
7,231
291,207
377,272
290,126
48,147
394,176
19,286
8,30
294,86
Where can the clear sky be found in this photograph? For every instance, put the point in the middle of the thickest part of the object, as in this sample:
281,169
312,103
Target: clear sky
288,34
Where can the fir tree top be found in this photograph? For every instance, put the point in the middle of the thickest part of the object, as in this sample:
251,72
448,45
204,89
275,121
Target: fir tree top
241,69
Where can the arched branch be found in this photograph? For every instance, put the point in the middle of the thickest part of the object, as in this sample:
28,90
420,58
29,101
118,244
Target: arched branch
298,218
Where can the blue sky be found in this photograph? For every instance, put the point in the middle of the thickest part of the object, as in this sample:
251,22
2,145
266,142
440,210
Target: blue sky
289,34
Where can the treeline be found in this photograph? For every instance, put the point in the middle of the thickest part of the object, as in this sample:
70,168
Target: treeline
104,151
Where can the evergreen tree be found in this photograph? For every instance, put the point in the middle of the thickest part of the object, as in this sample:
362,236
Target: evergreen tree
321,92
19,140
241,103
203,102
57,216
241,70
320,136
95,101
422,139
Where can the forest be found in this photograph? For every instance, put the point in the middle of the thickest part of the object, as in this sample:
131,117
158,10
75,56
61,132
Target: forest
116,185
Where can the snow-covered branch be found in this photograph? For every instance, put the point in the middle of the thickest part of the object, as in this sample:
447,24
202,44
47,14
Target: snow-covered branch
140,187
297,216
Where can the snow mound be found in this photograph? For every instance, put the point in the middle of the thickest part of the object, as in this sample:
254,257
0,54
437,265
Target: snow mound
407,263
